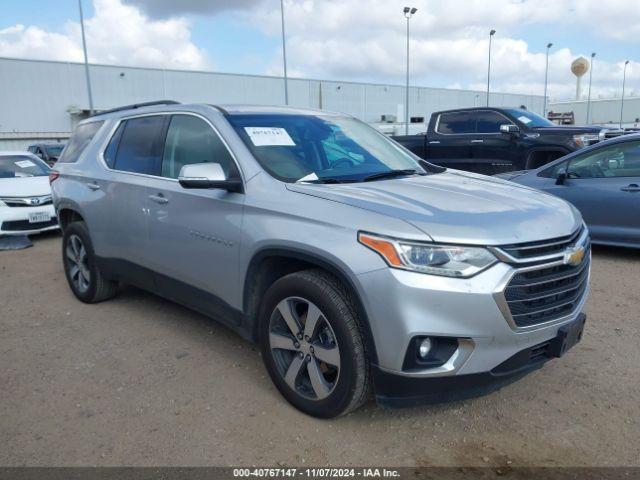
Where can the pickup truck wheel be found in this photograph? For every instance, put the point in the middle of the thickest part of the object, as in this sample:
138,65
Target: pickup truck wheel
83,275
312,346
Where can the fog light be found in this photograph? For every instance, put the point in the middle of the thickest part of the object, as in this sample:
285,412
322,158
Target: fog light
425,347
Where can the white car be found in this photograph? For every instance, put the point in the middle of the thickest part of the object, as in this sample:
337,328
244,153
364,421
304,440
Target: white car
25,195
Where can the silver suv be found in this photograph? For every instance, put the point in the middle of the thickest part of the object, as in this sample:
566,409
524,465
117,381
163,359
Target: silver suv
357,266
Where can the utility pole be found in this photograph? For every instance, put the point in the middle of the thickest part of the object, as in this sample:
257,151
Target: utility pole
408,13
284,56
491,34
86,59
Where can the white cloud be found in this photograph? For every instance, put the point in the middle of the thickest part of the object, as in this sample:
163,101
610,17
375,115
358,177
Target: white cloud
116,34
365,40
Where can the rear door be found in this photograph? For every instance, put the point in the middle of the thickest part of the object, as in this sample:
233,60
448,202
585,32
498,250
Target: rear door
134,155
492,151
449,143
194,234
605,186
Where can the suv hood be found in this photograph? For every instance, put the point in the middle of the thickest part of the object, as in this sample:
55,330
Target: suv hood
458,207
24,187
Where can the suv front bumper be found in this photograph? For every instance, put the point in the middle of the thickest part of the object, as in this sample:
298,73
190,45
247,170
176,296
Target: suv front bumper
402,305
397,390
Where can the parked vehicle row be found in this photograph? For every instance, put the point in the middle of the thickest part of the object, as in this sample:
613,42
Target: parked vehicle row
26,206
354,265
491,140
603,182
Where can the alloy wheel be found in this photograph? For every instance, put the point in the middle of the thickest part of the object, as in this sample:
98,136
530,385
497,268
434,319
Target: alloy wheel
77,258
304,348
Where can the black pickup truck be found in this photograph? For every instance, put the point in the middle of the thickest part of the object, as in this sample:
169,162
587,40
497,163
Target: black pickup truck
495,140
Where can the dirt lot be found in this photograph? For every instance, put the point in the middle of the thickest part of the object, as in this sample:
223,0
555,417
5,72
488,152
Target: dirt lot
140,381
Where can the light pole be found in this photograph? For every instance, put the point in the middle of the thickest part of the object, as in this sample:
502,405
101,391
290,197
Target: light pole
86,60
491,33
284,56
624,79
408,13
593,55
546,77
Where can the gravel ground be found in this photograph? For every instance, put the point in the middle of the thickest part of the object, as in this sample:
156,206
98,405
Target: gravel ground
141,381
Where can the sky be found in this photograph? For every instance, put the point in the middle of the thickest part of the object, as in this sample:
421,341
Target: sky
358,40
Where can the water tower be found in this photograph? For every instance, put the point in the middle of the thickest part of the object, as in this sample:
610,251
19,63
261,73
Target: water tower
579,67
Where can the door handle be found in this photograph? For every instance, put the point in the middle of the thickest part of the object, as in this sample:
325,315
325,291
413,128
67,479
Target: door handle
433,142
159,198
93,186
478,140
631,188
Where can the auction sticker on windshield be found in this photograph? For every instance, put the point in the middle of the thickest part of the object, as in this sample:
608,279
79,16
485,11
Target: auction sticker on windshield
25,163
269,136
524,119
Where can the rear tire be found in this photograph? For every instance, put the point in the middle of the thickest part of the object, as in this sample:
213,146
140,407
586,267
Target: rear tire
312,344
80,267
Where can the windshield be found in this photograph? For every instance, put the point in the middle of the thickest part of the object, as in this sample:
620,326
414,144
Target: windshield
16,166
530,119
319,148
54,150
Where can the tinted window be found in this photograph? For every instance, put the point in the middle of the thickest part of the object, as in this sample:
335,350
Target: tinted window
489,122
112,149
54,150
140,149
82,135
456,122
619,160
19,166
191,140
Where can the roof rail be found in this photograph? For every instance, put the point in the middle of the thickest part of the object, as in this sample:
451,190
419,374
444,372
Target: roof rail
137,105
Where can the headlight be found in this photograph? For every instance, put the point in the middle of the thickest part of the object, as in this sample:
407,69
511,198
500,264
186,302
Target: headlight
444,260
585,139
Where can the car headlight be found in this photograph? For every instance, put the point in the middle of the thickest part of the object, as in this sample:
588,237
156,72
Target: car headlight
445,260
585,139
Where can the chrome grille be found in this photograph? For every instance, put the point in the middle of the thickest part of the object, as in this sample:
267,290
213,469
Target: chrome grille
38,201
540,296
523,251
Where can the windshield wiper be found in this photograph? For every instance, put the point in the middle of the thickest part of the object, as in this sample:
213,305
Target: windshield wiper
390,174
325,180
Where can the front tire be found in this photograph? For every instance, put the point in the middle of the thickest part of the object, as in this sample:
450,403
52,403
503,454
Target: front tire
312,344
80,267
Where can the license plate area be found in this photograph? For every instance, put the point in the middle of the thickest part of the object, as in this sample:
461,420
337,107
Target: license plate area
39,217
567,337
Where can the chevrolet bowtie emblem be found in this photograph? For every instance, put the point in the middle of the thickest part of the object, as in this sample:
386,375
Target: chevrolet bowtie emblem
574,256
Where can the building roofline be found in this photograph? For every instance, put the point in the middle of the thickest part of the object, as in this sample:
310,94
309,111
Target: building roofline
253,75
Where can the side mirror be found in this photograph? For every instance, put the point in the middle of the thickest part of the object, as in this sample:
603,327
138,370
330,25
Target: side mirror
208,175
509,129
562,176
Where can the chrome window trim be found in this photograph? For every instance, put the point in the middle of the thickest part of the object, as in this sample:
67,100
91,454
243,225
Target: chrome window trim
511,122
112,132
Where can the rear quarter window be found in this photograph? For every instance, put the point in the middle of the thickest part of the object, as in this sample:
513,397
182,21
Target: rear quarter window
82,136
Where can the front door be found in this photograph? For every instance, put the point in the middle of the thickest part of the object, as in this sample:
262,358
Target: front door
605,186
492,151
194,234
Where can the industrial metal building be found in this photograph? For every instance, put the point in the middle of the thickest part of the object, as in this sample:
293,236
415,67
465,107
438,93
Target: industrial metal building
42,100
603,111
